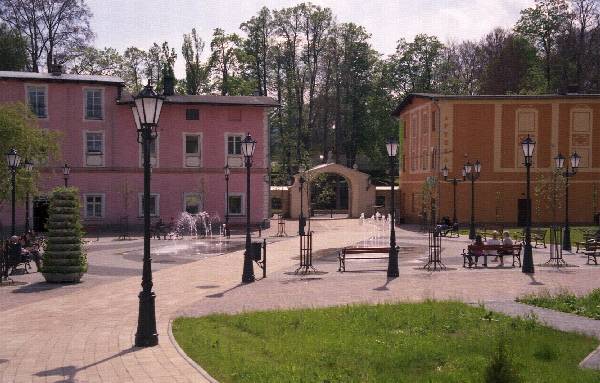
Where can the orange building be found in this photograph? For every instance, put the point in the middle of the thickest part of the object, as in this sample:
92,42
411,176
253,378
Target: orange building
449,130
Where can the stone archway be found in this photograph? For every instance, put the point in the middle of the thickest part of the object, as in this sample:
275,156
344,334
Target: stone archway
361,194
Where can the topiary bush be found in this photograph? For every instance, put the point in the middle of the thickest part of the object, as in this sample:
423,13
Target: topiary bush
64,259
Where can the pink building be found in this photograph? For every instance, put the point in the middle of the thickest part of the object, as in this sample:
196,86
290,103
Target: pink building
197,136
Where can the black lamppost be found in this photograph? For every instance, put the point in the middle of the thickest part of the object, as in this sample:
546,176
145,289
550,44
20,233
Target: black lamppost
248,146
560,162
392,271
528,146
472,173
66,171
454,181
28,165
146,113
13,160
301,218
227,174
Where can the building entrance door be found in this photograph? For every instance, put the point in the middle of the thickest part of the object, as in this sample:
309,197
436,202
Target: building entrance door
522,212
40,214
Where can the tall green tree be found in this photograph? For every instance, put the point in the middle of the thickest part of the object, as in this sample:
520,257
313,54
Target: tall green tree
257,46
19,130
13,49
543,24
106,62
196,73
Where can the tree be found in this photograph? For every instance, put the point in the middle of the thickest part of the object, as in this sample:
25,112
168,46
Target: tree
67,23
134,61
54,28
19,130
13,49
226,63
26,18
196,73
257,46
105,62
543,24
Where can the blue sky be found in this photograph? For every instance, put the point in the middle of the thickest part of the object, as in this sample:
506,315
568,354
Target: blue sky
120,24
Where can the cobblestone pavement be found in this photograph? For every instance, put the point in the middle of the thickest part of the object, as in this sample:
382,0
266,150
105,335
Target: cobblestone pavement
86,335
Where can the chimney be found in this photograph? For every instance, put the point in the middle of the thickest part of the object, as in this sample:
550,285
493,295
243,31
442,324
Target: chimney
572,89
57,69
168,85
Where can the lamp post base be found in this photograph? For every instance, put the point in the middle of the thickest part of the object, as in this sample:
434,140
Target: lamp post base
566,245
527,259
472,233
392,271
146,335
248,273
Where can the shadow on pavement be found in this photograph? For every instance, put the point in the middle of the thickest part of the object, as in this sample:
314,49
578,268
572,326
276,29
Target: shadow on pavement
222,293
68,372
37,287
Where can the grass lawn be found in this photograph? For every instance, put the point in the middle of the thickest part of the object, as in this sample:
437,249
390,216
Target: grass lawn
565,301
420,342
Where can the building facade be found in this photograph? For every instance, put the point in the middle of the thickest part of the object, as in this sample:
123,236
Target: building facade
447,130
197,137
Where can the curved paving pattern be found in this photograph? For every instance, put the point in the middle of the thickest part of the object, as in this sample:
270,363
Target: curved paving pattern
84,333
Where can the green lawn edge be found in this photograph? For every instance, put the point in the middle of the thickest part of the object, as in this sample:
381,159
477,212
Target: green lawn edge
565,301
405,342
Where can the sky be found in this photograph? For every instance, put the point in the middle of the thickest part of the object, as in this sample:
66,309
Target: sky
121,24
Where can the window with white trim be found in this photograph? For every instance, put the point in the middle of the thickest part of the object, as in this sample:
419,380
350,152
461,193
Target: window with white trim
236,204
154,145
94,205
192,143
154,204
93,104
37,100
234,145
94,142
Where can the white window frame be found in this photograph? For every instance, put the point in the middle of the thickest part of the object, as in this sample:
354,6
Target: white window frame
234,160
154,161
102,205
42,86
87,154
243,207
102,103
156,205
199,155
199,195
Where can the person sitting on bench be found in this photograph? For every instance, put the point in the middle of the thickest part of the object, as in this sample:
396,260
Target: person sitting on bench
494,241
477,252
506,241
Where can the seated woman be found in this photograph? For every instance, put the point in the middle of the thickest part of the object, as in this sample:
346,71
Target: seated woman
494,241
506,241
475,252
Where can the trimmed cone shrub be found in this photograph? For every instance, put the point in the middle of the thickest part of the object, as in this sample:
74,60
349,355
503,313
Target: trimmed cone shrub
64,259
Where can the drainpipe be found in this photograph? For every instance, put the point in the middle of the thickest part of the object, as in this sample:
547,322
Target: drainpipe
438,157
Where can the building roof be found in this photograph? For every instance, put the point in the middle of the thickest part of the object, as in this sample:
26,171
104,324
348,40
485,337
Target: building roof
214,100
49,77
433,96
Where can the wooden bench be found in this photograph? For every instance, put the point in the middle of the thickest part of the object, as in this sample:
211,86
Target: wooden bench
588,238
592,251
451,231
482,251
539,236
343,254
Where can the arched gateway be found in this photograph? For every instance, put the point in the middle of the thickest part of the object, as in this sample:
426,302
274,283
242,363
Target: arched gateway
361,194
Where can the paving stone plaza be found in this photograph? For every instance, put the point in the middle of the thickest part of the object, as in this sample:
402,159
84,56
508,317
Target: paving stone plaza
84,332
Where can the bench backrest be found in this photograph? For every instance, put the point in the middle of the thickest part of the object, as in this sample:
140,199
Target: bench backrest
360,250
494,247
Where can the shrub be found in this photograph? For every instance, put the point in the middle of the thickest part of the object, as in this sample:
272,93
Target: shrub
501,369
64,259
